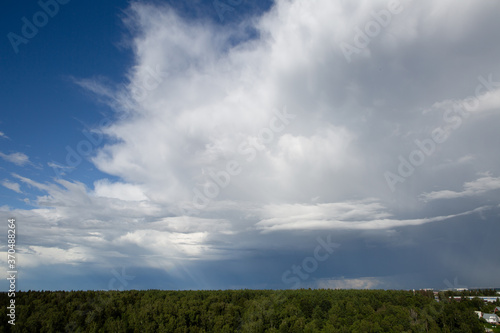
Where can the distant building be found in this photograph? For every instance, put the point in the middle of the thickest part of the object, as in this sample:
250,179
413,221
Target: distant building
490,299
491,318
479,314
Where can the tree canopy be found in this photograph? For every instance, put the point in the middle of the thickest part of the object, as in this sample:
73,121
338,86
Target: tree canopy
320,310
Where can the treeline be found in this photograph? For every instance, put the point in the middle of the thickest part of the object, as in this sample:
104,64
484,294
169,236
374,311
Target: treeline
239,311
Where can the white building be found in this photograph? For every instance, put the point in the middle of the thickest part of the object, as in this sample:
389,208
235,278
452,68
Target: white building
491,318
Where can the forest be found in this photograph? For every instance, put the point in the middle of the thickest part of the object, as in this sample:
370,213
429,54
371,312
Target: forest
302,310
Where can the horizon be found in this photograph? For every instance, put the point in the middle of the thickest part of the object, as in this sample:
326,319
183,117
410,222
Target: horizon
409,290
263,145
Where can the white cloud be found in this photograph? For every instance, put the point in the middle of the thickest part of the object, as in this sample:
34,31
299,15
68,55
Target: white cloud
200,95
16,158
12,186
41,255
178,245
193,99
365,215
328,149
73,225
2,135
473,188
482,102
58,166
122,191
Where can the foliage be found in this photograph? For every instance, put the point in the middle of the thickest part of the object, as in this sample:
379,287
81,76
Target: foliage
321,310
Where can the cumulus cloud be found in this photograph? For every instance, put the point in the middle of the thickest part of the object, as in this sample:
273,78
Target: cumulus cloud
74,225
122,191
195,100
223,136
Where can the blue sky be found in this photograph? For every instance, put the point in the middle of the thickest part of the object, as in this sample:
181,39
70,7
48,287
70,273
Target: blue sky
239,144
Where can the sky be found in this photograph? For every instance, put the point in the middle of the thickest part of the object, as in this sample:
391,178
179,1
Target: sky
236,144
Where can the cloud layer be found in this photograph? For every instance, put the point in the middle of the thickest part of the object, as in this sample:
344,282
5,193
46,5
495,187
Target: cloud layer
228,144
